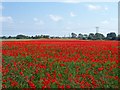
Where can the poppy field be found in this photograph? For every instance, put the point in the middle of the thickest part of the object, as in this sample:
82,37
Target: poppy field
60,64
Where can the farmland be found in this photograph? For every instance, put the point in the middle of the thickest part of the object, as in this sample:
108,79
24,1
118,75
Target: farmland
60,64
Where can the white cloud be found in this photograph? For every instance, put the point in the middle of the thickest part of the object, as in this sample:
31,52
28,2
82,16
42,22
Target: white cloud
105,22
7,19
106,8
35,19
96,7
55,18
93,7
72,14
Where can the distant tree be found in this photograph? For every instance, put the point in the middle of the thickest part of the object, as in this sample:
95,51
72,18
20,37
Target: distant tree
4,37
99,36
74,35
14,37
118,38
41,36
91,36
21,36
85,36
80,36
9,37
32,37
111,36
52,37
37,37
57,37
46,36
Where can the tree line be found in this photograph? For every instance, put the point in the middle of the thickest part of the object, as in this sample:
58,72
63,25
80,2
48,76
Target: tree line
96,36
25,37
91,36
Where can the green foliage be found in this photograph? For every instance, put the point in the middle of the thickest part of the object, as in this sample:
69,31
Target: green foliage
29,58
56,66
7,59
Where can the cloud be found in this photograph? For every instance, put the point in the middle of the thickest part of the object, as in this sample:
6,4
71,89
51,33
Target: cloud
105,22
55,18
96,7
7,19
72,14
106,8
37,21
93,7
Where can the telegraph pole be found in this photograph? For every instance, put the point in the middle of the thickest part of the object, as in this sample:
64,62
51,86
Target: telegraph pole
97,29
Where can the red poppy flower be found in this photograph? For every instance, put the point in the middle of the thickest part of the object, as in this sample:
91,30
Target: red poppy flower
21,73
67,86
31,84
100,69
14,83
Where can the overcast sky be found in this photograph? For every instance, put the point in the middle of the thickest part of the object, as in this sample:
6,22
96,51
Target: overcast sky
58,18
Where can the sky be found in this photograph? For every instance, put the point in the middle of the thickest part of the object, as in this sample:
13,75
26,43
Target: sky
58,18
